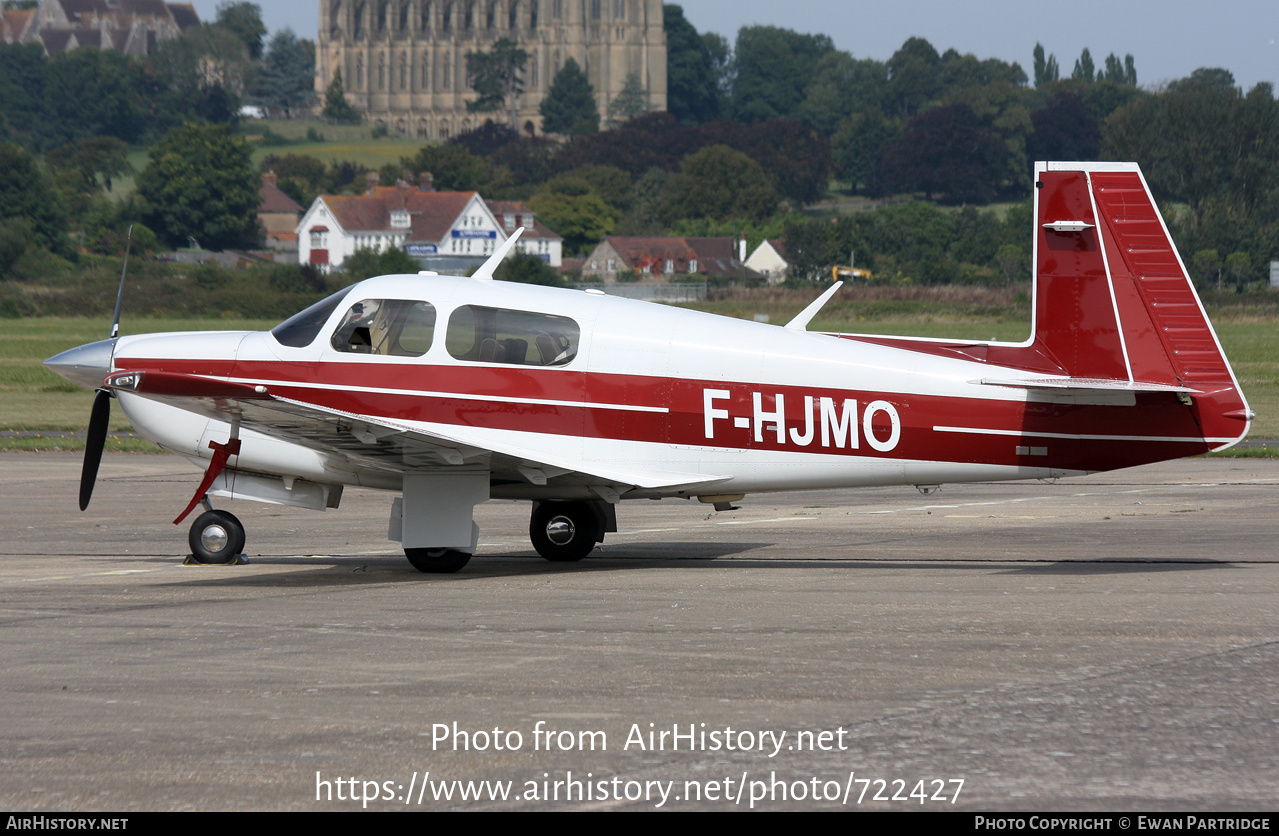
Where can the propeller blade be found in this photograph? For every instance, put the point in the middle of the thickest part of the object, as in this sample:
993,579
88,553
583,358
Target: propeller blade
94,441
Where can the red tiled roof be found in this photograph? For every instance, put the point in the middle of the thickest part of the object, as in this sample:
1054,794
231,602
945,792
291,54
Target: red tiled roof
274,200
432,213
714,256
522,211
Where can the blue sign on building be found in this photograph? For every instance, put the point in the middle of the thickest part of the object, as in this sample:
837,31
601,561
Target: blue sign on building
474,233
420,249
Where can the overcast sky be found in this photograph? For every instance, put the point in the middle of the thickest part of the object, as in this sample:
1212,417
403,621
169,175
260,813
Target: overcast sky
1168,39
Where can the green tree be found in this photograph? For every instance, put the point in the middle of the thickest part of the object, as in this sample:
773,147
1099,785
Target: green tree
858,145
244,20
495,76
366,262
842,86
201,184
774,67
22,75
1084,68
287,78
29,202
569,106
454,168
92,92
1046,70
721,184
573,209
100,156
527,269
913,77
632,101
693,91
336,107
205,65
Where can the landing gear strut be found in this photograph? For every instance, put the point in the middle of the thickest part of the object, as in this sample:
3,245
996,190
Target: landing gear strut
216,537
564,531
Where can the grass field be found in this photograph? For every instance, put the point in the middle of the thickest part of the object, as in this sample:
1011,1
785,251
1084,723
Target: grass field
32,398
341,142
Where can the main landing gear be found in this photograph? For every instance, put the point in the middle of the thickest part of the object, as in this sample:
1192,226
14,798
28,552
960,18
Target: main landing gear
437,561
565,531
216,537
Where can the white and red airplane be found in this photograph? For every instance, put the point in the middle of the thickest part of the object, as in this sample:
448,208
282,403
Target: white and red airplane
450,391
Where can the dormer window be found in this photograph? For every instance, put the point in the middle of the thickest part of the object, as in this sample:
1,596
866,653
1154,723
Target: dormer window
400,219
509,220
692,265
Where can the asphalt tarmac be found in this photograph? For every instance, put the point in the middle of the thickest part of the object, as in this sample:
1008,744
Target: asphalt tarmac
1104,643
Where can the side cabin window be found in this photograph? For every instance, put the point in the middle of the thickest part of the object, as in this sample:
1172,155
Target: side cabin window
521,338
386,327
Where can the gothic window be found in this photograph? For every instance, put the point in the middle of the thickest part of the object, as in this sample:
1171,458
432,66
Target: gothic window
359,72
532,13
532,72
447,23
424,23
447,81
490,21
426,72
470,17
595,9
619,9
357,18
404,72
404,16
444,129
557,9
423,129
381,15
335,20
381,71
513,16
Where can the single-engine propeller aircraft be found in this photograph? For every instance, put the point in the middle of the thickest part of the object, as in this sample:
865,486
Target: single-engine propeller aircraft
449,391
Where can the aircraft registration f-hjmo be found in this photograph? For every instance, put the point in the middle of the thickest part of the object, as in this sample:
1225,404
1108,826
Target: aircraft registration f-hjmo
450,391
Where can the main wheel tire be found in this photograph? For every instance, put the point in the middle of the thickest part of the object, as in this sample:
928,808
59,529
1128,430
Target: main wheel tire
437,561
564,532
216,537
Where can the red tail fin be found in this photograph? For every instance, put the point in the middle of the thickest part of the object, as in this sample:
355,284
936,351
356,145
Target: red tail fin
1112,297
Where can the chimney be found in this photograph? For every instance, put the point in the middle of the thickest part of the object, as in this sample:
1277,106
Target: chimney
372,181
268,177
426,181
741,250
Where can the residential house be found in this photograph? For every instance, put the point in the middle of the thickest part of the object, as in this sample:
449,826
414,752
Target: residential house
664,259
538,239
769,258
279,215
448,232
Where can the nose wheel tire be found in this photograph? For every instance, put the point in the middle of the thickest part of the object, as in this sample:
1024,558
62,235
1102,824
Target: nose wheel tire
437,561
216,537
564,532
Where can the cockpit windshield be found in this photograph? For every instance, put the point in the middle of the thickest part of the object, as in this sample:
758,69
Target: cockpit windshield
301,329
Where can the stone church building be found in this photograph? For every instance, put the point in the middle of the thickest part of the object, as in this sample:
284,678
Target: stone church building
403,62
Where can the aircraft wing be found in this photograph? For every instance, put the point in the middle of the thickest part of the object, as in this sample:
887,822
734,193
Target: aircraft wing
381,444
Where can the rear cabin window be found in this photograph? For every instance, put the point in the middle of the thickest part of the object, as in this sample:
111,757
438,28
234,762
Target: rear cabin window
386,327
521,338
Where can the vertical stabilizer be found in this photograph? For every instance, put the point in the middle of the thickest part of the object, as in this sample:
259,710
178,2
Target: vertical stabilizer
1113,301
